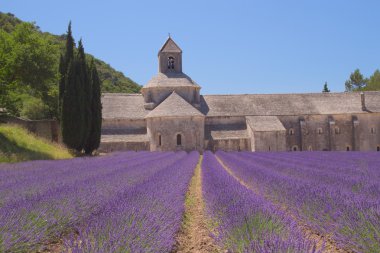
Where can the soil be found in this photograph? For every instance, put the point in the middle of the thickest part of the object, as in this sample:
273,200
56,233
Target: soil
195,235
322,241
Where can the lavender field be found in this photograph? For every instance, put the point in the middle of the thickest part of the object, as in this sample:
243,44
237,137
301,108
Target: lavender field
135,202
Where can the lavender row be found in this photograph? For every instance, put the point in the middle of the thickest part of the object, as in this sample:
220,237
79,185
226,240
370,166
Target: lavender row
29,223
144,218
329,206
60,175
243,221
350,174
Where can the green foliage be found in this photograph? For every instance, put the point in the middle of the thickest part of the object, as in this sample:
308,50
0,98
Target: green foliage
80,99
72,108
93,139
358,82
373,82
27,67
34,108
325,88
29,62
16,145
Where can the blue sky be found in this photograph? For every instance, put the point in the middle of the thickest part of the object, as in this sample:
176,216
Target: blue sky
228,46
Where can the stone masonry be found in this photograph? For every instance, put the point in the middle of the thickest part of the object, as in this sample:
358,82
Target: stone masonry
170,114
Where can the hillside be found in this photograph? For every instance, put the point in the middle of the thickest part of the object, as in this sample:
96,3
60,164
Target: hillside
16,145
113,80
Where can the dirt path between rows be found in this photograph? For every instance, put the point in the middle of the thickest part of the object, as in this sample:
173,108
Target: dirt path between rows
321,240
194,235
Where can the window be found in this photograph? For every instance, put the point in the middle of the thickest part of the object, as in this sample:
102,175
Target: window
179,140
269,148
320,130
373,130
337,130
171,62
291,131
159,139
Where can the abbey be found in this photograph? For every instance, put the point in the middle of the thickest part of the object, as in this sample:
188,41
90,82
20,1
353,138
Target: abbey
171,114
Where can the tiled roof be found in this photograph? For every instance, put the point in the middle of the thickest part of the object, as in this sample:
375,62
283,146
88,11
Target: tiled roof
121,106
265,123
171,79
229,134
131,106
124,138
170,46
288,104
174,106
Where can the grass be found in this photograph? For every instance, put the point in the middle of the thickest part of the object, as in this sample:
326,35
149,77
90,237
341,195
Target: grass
17,144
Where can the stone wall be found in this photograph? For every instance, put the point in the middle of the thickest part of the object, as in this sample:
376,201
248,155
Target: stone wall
47,129
120,146
242,144
162,133
340,132
124,126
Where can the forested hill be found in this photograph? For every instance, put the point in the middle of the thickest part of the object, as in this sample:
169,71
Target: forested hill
113,81
29,72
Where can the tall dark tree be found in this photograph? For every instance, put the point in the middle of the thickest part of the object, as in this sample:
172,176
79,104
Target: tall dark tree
325,88
81,107
86,93
71,93
64,62
72,109
93,140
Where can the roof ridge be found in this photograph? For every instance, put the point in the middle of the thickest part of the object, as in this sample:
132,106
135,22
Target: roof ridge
174,106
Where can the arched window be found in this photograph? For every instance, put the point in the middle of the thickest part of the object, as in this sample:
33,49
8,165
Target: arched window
179,140
373,130
171,62
320,130
159,139
291,131
295,148
337,130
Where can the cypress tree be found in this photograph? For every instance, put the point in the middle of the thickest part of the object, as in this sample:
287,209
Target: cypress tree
93,140
80,103
86,93
64,64
72,116
325,88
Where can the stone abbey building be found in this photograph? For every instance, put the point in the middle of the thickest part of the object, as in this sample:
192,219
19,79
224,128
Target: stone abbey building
171,114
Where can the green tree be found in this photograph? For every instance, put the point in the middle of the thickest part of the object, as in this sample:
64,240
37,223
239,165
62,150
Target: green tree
374,81
80,95
356,81
64,62
93,140
72,109
27,66
86,93
325,88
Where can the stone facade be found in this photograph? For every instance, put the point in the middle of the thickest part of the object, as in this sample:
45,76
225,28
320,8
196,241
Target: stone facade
170,114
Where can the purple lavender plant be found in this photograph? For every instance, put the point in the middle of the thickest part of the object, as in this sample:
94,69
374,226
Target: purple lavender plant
242,220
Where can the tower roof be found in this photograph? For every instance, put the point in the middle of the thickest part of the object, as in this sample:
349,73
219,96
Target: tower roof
170,46
171,80
174,106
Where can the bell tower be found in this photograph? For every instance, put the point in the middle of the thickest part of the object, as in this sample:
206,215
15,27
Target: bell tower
170,57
